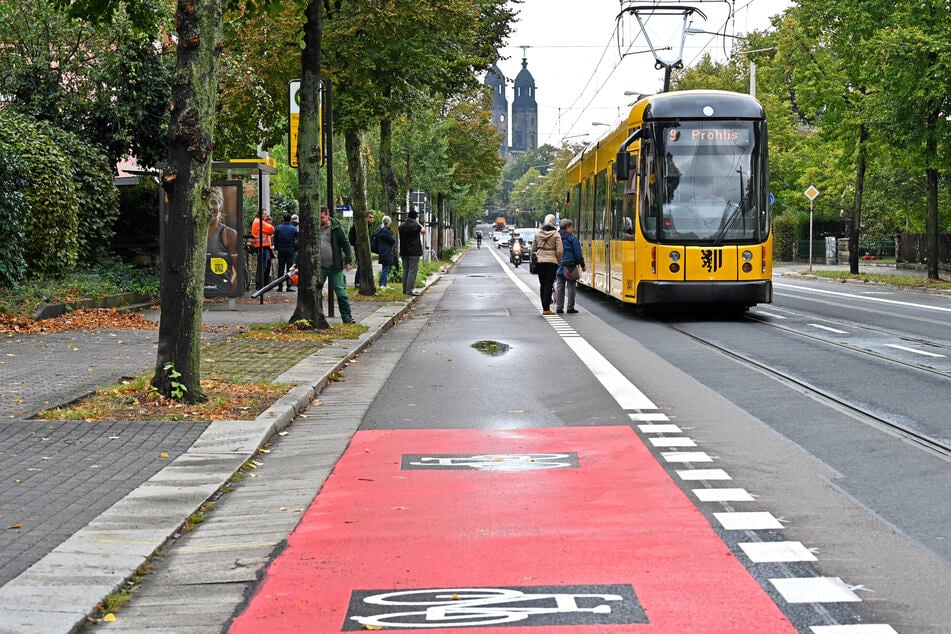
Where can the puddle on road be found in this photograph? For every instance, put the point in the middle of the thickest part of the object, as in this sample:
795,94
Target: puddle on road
492,348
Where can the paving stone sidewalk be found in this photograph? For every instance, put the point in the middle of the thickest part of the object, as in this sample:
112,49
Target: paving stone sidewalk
83,504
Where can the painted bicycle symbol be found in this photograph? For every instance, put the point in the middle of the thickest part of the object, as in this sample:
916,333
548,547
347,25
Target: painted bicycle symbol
472,607
495,461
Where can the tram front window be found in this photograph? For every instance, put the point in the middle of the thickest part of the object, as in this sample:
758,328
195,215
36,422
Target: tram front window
706,185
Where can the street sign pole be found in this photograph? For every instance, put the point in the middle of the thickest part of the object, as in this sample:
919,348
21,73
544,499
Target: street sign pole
811,193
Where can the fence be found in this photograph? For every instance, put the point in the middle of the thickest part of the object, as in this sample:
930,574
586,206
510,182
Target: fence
913,248
876,248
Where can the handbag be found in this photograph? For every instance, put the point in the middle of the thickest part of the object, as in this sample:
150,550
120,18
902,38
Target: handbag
571,272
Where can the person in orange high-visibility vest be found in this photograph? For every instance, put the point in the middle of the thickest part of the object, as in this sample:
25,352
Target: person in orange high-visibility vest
263,243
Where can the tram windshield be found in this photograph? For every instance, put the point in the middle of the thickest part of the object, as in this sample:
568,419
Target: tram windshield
705,182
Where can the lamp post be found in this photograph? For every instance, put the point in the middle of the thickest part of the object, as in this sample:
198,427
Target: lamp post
574,136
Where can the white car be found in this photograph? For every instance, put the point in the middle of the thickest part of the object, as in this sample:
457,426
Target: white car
504,239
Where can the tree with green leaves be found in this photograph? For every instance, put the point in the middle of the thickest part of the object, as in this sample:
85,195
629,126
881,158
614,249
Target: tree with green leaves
824,55
105,79
386,58
909,67
186,181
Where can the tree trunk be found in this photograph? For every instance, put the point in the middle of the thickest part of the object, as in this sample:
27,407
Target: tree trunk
856,222
186,182
441,219
359,202
309,305
387,177
931,221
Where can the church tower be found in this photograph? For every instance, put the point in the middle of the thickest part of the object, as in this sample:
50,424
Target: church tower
524,111
500,105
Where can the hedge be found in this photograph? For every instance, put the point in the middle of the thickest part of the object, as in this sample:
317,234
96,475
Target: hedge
13,209
51,214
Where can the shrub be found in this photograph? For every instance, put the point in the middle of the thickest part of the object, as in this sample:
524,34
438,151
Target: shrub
784,238
13,210
51,244
96,190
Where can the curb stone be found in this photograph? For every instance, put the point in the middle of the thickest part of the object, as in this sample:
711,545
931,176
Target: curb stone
122,302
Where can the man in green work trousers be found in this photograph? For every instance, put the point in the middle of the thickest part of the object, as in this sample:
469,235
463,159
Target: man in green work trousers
335,256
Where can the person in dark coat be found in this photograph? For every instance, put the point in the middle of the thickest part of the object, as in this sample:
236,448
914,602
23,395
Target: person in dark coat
285,241
411,250
386,248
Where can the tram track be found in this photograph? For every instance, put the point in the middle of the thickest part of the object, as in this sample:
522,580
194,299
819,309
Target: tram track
857,412
865,351
870,329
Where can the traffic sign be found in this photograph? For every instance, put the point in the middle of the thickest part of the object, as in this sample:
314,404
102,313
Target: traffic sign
293,116
811,192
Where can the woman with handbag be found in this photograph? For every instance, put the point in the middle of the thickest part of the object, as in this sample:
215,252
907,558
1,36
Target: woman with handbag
548,252
570,267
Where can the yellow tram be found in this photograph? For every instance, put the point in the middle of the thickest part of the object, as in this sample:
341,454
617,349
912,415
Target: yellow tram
672,205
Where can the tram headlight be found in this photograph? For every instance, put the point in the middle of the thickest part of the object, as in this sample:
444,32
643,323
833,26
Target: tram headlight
747,261
674,257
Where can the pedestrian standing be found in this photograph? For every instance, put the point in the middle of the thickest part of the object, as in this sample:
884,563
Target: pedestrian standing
548,252
335,257
386,247
411,250
285,241
262,239
566,280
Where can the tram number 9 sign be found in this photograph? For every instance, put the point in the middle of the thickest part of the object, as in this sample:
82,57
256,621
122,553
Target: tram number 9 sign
708,136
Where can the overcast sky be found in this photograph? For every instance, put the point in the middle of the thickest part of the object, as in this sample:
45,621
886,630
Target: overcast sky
580,76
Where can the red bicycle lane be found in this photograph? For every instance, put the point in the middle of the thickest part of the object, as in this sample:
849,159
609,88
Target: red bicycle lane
571,529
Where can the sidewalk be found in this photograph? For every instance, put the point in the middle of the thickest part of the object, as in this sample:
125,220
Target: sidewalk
872,267
85,504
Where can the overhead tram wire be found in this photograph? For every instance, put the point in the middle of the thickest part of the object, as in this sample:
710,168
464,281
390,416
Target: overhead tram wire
587,83
627,52
722,31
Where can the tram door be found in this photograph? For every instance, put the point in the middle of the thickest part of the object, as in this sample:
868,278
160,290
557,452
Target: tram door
602,238
620,230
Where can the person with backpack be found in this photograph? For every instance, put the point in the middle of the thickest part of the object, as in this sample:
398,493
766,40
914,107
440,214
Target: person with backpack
383,243
285,241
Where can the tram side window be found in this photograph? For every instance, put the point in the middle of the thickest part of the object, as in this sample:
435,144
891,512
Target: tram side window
574,207
600,204
587,211
623,228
